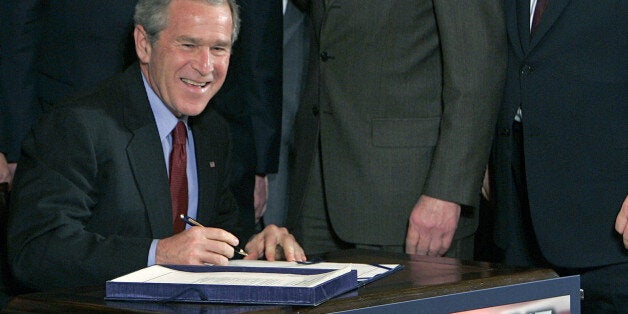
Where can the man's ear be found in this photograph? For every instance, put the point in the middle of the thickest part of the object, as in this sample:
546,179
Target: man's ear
142,44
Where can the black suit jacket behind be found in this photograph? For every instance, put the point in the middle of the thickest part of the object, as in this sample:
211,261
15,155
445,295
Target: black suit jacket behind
91,190
250,99
571,83
52,49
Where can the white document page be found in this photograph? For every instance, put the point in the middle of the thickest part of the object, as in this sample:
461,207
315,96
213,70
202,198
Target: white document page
161,274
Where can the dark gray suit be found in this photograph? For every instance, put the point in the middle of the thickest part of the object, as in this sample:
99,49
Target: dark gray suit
91,189
401,98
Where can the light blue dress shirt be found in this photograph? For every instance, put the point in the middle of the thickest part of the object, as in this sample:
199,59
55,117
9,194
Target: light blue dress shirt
166,121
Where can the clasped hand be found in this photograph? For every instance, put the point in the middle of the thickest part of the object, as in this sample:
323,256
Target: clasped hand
204,245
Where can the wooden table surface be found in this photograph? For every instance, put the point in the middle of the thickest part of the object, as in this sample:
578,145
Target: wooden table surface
422,277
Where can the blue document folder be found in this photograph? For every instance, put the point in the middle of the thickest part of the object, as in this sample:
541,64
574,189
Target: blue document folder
232,284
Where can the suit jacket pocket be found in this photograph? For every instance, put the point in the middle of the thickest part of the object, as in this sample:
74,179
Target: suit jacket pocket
416,132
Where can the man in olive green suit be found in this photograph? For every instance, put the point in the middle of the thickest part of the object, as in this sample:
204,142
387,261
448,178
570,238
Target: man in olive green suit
395,127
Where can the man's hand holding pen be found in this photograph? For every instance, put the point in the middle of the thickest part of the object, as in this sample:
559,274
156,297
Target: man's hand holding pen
197,246
201,245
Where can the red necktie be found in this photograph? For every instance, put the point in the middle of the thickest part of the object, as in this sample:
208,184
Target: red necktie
538,13
178,177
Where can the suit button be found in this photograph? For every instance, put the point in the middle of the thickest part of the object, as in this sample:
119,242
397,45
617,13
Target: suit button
504,132
325,56
315,111
526,70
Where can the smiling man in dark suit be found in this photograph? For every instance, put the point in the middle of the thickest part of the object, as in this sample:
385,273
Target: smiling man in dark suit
91,198
57,48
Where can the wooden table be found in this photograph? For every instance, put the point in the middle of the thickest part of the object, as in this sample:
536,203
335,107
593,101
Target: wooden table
422,278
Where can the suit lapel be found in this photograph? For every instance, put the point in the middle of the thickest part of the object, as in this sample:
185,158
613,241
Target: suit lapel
511,9
206,165
146,158
522,18
554,9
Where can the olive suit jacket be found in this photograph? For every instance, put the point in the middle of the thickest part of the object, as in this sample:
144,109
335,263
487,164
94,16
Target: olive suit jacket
401,96
91,190
570,81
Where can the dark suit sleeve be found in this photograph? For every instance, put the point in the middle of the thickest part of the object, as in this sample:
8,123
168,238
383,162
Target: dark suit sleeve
473,47
19,108
56,202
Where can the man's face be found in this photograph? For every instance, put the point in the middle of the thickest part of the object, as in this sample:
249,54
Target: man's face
188,63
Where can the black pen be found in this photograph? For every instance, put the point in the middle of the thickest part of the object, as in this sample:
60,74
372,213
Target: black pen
190,221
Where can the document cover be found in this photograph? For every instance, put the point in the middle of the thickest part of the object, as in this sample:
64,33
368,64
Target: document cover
232,284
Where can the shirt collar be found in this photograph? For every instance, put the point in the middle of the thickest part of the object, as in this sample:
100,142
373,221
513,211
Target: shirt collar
166,121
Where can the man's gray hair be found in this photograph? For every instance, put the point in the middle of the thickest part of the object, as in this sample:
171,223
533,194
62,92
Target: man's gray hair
153,16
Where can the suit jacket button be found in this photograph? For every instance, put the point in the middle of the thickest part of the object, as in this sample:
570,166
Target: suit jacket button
504,132
315,110
325,56
526,70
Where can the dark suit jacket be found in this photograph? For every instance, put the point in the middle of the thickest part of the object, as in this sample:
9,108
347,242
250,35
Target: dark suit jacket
570,81
91,190
250,99
52,49
403,96
251,95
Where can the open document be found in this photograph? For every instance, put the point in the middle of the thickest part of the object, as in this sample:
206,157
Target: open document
232,284
250,282
365,272
165,275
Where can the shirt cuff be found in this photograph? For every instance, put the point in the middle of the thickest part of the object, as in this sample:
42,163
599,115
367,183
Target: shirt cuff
152,252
